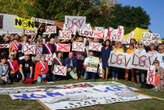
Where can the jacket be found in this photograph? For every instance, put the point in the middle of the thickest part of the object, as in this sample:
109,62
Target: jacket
6,72
67,62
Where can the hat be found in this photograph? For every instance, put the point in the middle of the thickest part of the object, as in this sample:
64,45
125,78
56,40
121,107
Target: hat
140,43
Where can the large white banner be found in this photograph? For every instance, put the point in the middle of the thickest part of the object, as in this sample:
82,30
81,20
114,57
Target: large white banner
76,98
135,60
120,60
81,97
15,90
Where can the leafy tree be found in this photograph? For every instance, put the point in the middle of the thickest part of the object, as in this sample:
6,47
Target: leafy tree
98,12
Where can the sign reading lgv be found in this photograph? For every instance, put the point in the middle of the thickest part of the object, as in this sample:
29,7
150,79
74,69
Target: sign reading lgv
24,23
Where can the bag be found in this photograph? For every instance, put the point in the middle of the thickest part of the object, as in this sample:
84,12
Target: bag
28,81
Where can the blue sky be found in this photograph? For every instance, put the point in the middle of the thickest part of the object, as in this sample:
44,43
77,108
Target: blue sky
155,9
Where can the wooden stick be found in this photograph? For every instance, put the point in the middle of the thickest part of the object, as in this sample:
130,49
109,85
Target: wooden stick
43,105
161,99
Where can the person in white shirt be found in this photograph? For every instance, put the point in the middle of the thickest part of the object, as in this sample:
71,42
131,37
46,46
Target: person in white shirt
140,74
87,63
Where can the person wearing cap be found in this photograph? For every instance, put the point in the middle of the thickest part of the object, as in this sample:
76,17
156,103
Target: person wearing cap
26,67
4,72
41,69
140,74
14,67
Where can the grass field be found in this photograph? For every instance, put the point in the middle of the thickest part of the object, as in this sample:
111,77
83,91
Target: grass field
152,104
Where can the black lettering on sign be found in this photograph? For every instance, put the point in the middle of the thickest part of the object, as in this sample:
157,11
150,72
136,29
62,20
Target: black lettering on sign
1,21
127,61
18,22
31,24
134,62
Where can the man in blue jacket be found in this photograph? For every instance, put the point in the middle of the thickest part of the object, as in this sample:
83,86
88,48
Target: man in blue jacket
4,71
71,63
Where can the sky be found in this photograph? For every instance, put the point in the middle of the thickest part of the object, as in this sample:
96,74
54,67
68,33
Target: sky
154,8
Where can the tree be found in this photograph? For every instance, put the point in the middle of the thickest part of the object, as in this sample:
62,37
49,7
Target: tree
129,17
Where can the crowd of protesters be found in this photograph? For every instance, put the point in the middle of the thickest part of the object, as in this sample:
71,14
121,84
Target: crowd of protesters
16,66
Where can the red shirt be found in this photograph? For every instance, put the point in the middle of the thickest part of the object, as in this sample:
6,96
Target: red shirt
39,68
15,65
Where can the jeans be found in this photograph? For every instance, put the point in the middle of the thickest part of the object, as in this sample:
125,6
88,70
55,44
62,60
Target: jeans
41,77
115,72
86,75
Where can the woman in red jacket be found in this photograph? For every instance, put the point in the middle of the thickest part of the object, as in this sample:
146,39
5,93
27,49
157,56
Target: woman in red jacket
14,67
41,69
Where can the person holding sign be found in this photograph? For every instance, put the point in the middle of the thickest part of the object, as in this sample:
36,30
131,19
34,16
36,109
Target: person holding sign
160,73
140,73
41,69
130,50
105,53
57,61
26,68
91,66
14,67
4,71
115,71
71,63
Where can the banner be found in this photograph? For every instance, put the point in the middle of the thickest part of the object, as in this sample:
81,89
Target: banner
50,30
150,36
78,47
65,35
50,58
63,47
99,29
161,60
120,60
86,30
99,35
4,45
140,61
127,61
92,64
60,70
116,34
81,97
24,23
30,89
30,49
152,78
75,21
43,20
95,46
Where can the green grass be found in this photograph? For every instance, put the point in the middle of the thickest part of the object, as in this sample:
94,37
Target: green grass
152,104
